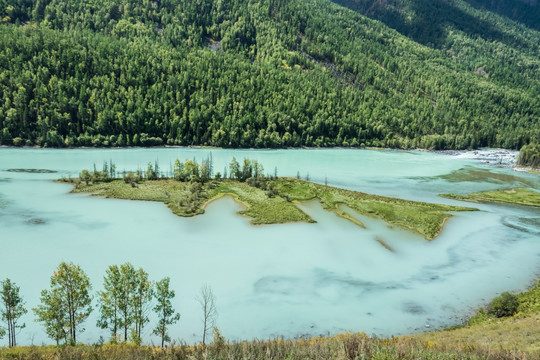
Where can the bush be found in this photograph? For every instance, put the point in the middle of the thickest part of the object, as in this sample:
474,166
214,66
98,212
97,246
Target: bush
131,178
18,141
504,305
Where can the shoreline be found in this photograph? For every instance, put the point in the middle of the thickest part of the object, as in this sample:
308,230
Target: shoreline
280,207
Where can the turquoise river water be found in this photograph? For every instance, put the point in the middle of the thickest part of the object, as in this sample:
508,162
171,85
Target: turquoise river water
278,280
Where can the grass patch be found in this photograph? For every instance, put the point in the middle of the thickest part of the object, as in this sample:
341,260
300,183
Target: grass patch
516,196
260,207
340,347
276,206
189,199
424,218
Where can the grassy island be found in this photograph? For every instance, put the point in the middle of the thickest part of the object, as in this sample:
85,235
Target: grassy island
516,196
267,199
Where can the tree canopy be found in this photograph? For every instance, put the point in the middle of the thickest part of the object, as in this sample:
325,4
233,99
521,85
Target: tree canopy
260,73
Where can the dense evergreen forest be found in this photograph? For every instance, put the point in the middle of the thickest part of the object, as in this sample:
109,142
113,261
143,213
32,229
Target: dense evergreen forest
264,73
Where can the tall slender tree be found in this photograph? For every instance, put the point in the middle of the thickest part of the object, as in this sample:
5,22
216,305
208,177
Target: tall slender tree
127,286
13,309
51,313
110,301
67,304
164,310
207,299
140,299
234,169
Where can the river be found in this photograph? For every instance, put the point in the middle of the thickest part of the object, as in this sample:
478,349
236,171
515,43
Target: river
278,280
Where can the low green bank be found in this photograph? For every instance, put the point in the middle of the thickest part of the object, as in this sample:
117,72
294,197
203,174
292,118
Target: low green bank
426,219
274,202
518,333
517,196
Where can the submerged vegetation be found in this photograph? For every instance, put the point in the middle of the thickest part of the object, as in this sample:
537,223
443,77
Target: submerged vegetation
517,196
267,199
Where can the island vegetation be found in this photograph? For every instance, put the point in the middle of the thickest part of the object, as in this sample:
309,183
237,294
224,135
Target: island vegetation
267,199
517,196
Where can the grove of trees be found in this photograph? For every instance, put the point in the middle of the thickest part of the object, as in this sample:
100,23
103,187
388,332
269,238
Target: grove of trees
11,310
124,305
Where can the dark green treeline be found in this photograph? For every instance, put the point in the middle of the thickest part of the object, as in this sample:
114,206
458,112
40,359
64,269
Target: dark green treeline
253,73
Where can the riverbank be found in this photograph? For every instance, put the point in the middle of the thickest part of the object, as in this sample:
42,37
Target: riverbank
347,346
519,333
484,337
274,203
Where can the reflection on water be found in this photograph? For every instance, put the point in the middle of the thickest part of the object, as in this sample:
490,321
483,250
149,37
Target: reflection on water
291,279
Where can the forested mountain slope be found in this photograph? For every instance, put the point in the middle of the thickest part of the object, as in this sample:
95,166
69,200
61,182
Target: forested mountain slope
262,73
481,40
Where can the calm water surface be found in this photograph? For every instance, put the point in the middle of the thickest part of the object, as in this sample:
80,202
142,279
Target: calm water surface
289,280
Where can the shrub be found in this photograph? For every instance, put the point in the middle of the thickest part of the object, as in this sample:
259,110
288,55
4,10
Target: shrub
18,141
504,305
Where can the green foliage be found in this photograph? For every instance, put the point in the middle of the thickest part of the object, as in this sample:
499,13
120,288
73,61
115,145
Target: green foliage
517,196
140,300
504,305
340,347
12,310
529,301
287,73
481,317
234,170
529,156
67,304
112,300
424,218
85,176
124,302
129,178
525,303
270,201
164,310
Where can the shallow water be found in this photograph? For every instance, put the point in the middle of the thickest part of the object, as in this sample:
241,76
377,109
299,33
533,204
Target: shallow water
289,280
